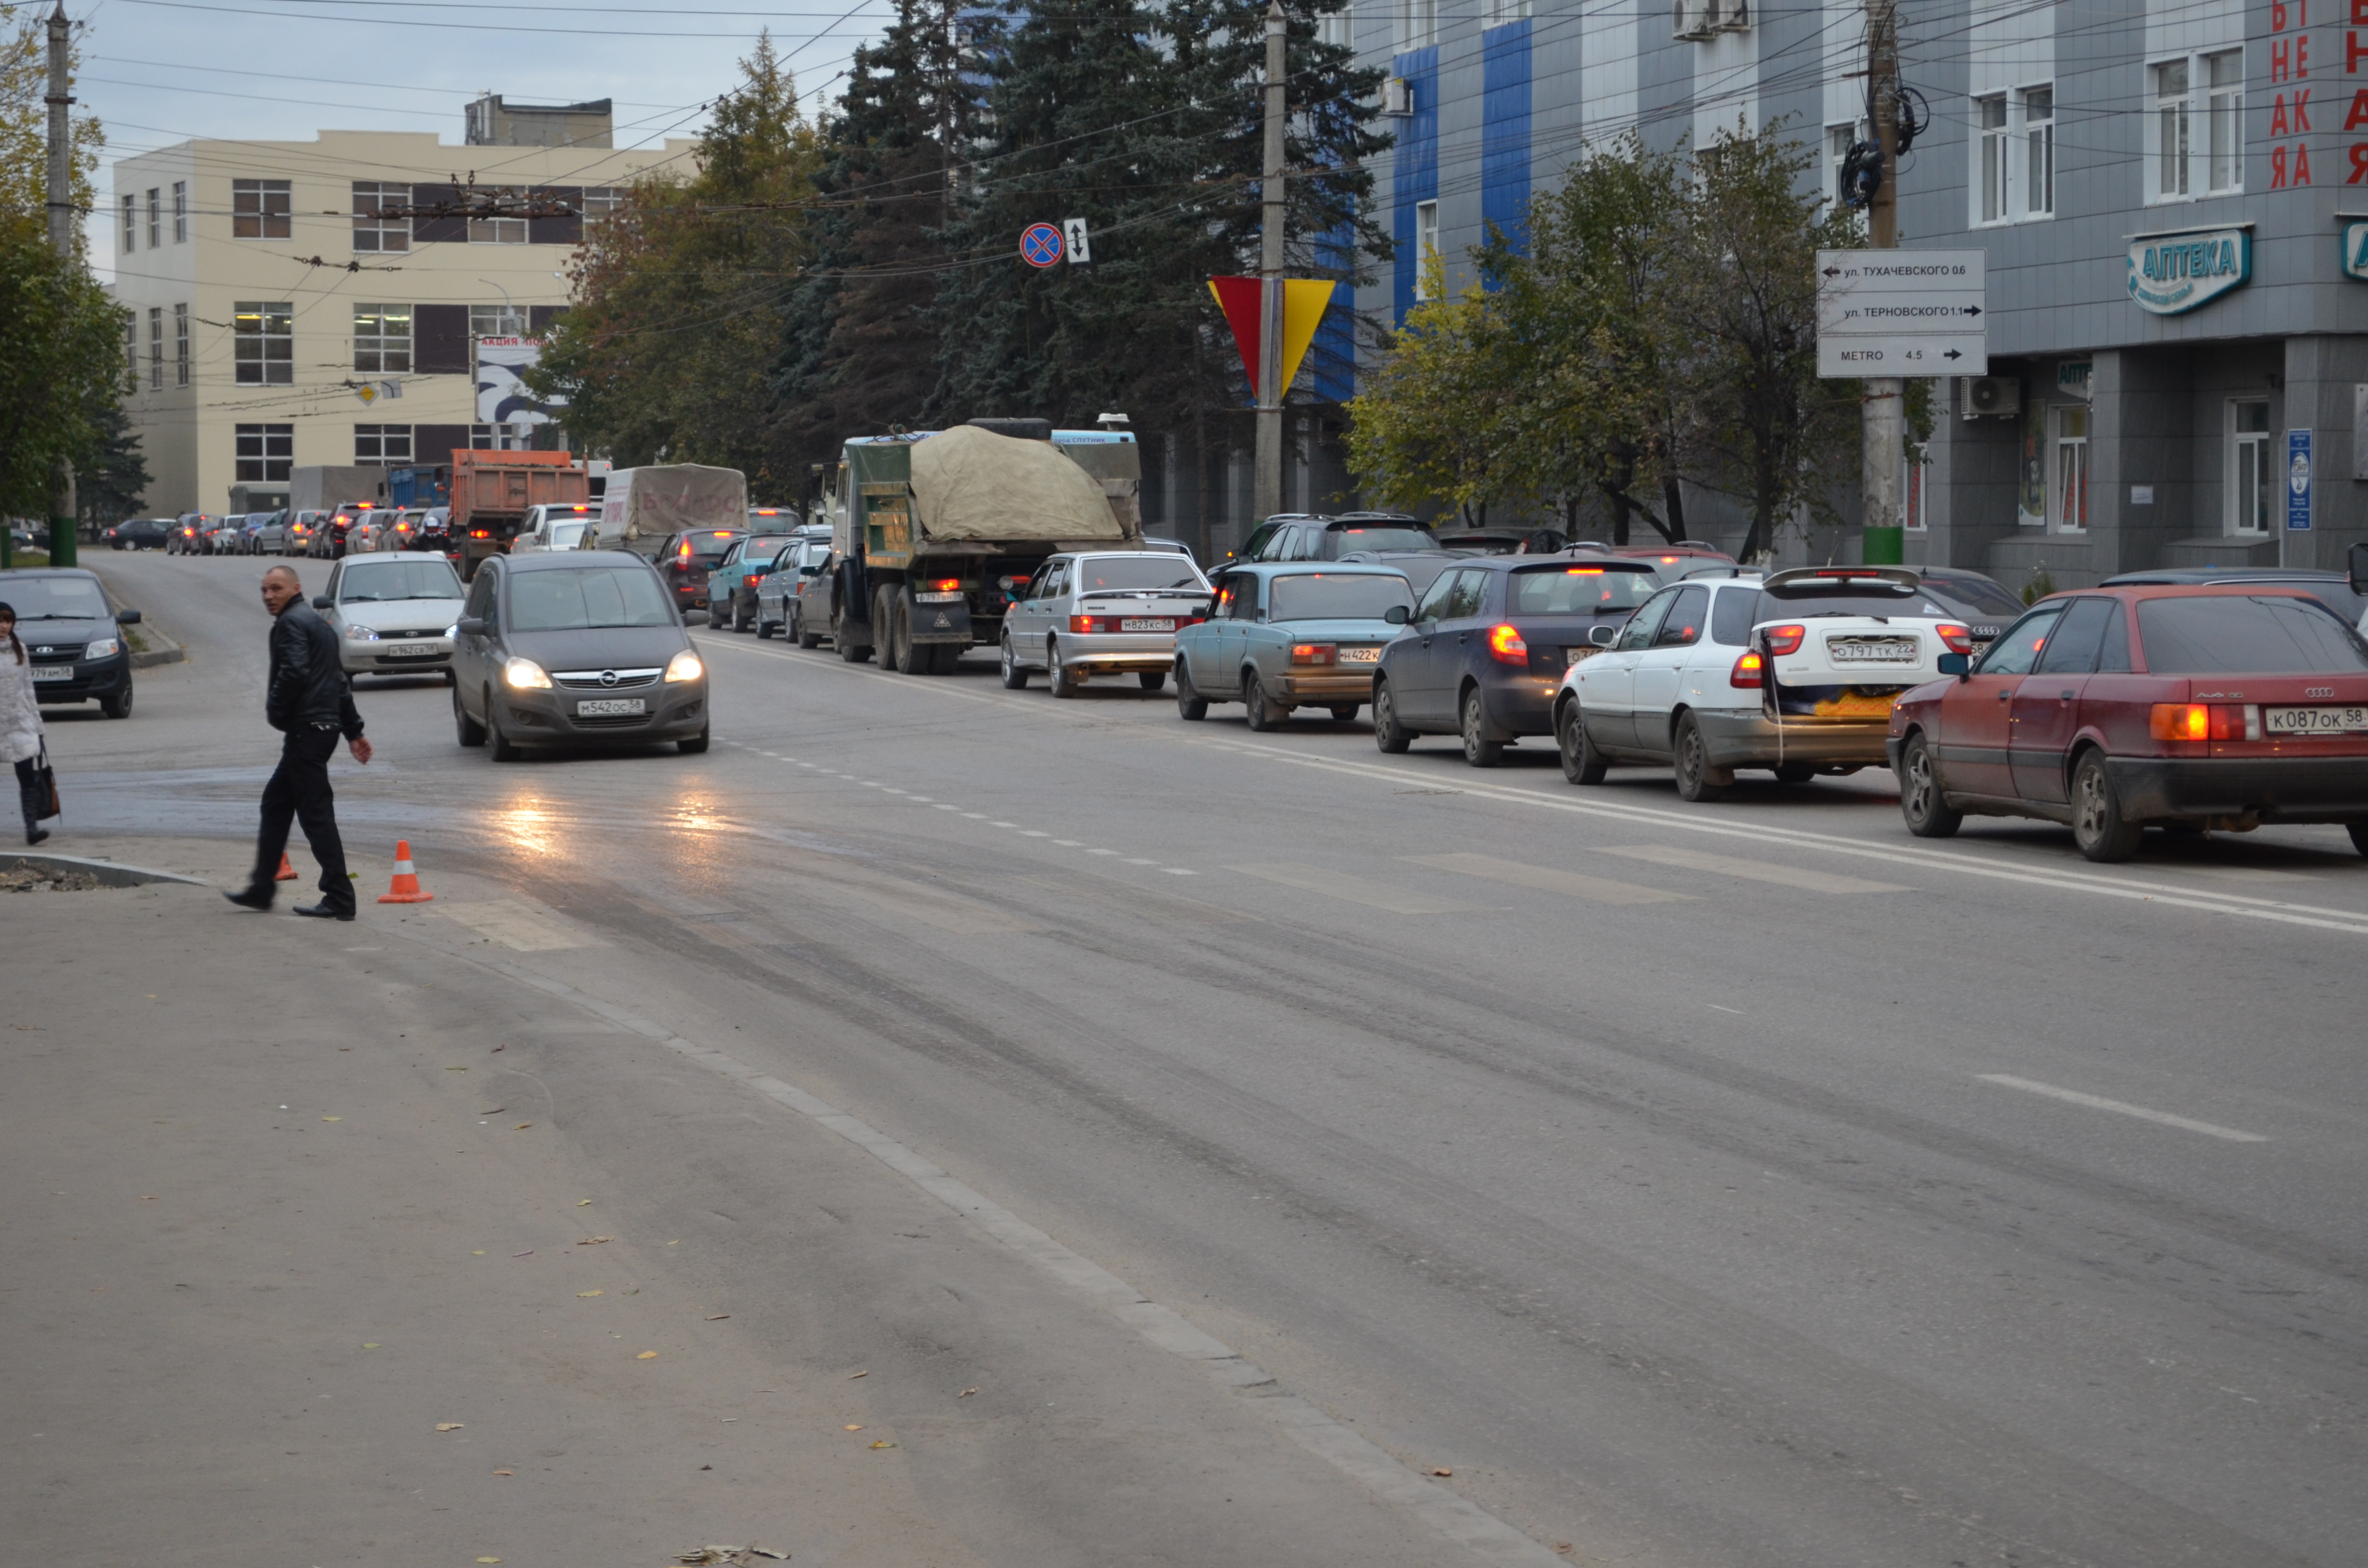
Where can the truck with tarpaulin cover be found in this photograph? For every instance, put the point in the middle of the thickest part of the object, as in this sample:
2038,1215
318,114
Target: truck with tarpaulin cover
933,532
643,507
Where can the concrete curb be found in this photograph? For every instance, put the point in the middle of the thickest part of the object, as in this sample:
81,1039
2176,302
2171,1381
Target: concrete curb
110,873
161,650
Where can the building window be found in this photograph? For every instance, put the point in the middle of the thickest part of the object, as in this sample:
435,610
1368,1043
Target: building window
266,453
500,231
2067,496
382,338
180,212
497,321
2224,80
2166,131
1839,140
1989,122
378,223
2250,479
1417,23
259,210
382,446
1426,245
2039,152
131,225
155,348
600,201
155,217
263,340
1333,27
180,346
1497,13
498,437
132,350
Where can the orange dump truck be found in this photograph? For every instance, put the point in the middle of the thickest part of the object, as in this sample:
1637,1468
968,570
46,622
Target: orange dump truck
493,490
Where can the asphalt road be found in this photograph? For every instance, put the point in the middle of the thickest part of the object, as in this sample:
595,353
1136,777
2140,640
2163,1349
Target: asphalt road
1745,1184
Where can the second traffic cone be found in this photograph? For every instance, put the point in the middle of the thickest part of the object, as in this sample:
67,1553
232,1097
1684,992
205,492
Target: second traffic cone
287,872
406,882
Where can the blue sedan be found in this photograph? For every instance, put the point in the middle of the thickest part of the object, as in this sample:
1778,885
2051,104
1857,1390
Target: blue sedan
1291,634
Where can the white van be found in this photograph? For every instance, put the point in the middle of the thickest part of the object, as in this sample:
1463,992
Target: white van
555,526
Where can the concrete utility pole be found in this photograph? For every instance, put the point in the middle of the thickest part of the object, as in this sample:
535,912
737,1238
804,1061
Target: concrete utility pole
1885,396
62,222
1267,488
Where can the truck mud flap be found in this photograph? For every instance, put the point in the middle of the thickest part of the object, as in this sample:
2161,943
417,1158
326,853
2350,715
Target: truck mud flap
943,622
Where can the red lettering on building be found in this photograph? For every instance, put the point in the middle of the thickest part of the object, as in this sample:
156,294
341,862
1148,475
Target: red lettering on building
2359,115
2277,168
2278,15
2280,61
2278,126
2302,164
2359,163
2302,111
2302,55
2353,50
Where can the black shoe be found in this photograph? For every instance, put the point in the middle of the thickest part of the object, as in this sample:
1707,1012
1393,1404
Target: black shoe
35,834
251,898
324,910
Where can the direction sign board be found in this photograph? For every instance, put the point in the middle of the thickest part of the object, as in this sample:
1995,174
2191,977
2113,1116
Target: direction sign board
1902,312
1039,244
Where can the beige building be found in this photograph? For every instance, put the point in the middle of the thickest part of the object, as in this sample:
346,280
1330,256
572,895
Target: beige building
322,301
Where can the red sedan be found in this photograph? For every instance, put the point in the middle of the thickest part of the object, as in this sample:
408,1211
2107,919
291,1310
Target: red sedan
2112,710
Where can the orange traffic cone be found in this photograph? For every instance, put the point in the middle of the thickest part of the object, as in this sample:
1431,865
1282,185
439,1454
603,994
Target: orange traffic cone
287,872
406,882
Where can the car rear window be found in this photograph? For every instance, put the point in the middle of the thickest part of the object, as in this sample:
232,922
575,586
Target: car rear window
587,598
1382,535
1336,596
1149,571
381,582
1979,594
767,545
1581,590
1776,605
2248,634
710,547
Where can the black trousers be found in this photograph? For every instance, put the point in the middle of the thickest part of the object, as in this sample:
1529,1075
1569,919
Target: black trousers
300,792
30,793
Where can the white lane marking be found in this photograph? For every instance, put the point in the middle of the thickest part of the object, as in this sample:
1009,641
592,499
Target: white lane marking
1101,851
1070,843
1386,896
1143,862
2098,1102
1748,871
2167,896
1448,1514
1029,832
1179,871
1003,824
1736,1011
975,816
1546,880
942,806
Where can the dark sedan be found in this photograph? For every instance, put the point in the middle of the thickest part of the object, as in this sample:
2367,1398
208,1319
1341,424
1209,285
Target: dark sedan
2118,708
2329,588
686,560
71,634
578,647
138,533
1483,653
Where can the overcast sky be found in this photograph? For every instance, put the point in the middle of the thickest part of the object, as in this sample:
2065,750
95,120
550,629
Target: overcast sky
158,72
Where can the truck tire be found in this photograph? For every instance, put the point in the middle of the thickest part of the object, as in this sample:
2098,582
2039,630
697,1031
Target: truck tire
944,658
883,631
850,651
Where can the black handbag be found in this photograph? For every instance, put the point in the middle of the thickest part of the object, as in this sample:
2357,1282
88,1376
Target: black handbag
45,779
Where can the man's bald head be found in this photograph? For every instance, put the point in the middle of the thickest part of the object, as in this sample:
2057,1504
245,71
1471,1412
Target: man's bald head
280,588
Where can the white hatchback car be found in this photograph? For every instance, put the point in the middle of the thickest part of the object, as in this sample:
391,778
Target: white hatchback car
394,611
1797,674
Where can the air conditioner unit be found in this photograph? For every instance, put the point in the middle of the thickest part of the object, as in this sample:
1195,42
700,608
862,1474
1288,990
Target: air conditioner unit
1397,95
1732,15
1692,20
1987,396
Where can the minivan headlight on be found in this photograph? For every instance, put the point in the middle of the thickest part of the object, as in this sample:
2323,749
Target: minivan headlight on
105,648
360,634
525,675
685,666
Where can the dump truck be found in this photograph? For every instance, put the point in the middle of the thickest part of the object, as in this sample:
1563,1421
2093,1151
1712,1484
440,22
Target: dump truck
933,532
492,492
643,507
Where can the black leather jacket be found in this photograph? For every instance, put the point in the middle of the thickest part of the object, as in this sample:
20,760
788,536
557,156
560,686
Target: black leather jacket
308,683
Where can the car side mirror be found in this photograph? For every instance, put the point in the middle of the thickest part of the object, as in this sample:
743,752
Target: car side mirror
1397,615
323,601
1603,636
127,618
1958,665
471,626
2359,560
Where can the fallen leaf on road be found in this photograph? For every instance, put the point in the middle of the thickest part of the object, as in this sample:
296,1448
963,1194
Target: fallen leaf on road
479,1253
647,1356
585,1203
719,1317
965,1393
489,1560
883,1443
1562,1546
1442,1472
583,1293
592,1241
505,1473
861,1374
447,1425
498,1048
456,1069
148,1198
529,1253
521,1127
851,1428
496,1111
371,1346
333,1119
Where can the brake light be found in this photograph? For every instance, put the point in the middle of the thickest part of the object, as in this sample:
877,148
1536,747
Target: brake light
2204,722
1583,571
480,533
1505,646
1784,640
750,579
1958,639
722,533
1314,653
686,550
1746,672
1081,624
944,585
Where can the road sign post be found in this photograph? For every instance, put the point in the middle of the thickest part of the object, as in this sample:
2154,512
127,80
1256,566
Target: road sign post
1039,245
1902,312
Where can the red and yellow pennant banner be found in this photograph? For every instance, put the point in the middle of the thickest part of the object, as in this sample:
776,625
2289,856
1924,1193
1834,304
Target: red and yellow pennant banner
1304,301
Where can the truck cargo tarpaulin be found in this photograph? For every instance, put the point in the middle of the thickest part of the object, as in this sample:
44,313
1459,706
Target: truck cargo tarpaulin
970,483
502,395
641,506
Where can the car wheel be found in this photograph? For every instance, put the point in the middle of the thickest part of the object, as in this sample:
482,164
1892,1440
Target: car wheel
1014,677
1065,682
1795,772
119,705
1189,704
1478,749
695,745
1926,812
1388,734
2097,823
1581,763
1697,779
465,729
1342,713
739,619
764,627
498,745
1152,680
805,639
1263,714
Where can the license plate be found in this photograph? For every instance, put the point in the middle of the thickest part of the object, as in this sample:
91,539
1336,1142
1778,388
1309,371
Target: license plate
1871,650
612,707
52,672
410,650
1360,655
2315,720
1572,655
1147,623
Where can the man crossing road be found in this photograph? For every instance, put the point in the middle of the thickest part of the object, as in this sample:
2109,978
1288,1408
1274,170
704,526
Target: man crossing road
311,703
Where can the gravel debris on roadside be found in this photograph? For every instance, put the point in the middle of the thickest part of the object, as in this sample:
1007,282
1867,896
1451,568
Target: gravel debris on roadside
26,880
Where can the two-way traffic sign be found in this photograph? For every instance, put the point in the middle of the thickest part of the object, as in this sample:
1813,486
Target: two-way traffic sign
1902,312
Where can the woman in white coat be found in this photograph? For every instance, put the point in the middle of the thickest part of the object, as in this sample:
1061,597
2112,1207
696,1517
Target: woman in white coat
21,724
